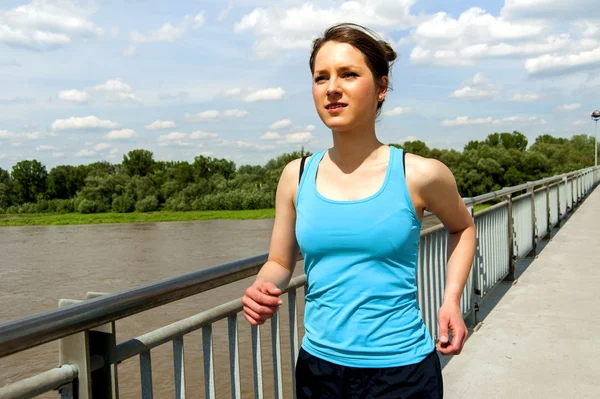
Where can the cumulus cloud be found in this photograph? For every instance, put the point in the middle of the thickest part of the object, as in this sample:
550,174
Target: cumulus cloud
568,107
73,95
84,153
58,155
123,134
252,146
560,64
526,9
199,135
299,138
214,115
265,95
398,111
45,148
129,51
476,88
281,124
87,122
47,24
525,98
101,146
511,120
280,27
580,122
270,136
158,124
168,32
173,139
310,128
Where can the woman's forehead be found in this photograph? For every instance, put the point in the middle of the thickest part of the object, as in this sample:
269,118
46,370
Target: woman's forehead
335,54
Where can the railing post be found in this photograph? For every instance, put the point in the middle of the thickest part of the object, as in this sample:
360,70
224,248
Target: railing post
471,319
511,251
548,211
78,349
533,227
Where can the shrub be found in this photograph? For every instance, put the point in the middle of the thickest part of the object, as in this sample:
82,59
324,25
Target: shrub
88,206
12,209
41,206
28,207
65,205
123,204
148,204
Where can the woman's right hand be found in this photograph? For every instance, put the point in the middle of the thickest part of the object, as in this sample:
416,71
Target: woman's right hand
261,301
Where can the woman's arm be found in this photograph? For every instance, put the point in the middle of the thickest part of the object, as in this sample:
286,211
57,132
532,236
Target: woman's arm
440,196
261,299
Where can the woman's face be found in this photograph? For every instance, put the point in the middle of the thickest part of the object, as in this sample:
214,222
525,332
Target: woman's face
344,89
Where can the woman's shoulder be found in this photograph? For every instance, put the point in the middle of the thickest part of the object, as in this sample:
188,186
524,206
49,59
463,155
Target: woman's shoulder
426,171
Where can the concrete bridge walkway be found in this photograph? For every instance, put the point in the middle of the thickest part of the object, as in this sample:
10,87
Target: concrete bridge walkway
540,337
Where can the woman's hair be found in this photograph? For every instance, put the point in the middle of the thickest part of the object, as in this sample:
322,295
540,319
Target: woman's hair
379,55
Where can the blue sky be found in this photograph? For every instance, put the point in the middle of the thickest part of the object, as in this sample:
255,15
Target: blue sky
83,81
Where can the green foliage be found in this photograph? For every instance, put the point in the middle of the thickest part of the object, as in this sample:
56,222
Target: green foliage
29,180
141,183
148,204
138,163
123,204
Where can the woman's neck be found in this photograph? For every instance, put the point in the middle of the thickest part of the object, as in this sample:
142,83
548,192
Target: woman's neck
352,149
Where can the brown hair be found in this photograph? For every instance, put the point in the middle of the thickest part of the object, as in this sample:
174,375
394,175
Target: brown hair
379,55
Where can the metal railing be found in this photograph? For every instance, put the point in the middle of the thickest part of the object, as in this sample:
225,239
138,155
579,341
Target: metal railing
89,355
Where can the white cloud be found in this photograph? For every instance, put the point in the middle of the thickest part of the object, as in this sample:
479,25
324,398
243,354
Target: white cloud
203,135
114,31
4,134
299,138
85,153
252,146
58,155
87,122
281,124
214,115
46,24
550,9
45,148
568,107
270,136
113,151
283,28
511,120
123,134
114,85
224,12
74,96
265,95
398,111
168,32
310,128
464,120
158,124
101,146
407,138
476,87
173,139
559,64
580,122
524,98
236,91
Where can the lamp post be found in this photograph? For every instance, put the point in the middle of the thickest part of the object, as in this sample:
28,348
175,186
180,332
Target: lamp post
595,117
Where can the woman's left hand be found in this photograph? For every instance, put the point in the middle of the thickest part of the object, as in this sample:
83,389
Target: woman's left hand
450,318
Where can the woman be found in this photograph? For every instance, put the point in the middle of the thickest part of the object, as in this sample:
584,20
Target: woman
356,215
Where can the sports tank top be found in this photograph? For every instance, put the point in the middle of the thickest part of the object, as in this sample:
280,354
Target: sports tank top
360,260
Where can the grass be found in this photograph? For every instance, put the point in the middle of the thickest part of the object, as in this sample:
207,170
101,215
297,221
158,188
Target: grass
134,217
48,219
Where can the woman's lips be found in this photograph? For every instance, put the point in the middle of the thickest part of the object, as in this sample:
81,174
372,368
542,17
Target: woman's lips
336,107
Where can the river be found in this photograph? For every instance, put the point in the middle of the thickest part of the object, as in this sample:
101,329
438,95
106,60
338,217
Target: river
41,264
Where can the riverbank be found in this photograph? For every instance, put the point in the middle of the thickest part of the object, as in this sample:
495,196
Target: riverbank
134,217
48,219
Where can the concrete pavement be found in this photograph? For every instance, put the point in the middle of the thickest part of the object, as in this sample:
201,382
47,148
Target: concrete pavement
540,337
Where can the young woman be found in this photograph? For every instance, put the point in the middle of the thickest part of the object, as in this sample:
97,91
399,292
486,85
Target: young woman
356,216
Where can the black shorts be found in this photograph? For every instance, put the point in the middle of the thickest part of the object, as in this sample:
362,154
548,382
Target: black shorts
319,379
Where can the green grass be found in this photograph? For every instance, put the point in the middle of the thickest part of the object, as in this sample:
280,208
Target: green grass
135,217
480,207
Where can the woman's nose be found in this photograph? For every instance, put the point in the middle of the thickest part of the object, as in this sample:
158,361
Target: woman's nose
333,87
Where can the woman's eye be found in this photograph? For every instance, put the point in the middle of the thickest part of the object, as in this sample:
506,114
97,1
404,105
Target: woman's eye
319,78
349,75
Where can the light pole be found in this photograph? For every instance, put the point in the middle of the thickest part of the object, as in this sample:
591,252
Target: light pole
595,117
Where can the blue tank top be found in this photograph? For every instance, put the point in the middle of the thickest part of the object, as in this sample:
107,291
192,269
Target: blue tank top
360,260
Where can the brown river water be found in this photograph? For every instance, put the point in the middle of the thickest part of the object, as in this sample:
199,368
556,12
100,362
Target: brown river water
41,264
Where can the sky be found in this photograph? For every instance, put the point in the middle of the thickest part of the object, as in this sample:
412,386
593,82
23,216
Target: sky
87,81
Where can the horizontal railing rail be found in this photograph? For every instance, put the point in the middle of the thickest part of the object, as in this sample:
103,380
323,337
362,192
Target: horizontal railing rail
506,231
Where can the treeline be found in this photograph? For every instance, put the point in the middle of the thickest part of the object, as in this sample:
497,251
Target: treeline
140,183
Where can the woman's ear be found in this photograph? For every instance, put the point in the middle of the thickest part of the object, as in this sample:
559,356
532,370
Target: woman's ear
383,87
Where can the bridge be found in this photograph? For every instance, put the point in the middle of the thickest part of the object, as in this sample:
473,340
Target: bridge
529,302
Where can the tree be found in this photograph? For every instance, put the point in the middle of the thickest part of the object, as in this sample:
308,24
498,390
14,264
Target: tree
138,163
29,180
417,147
65,180
5,190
